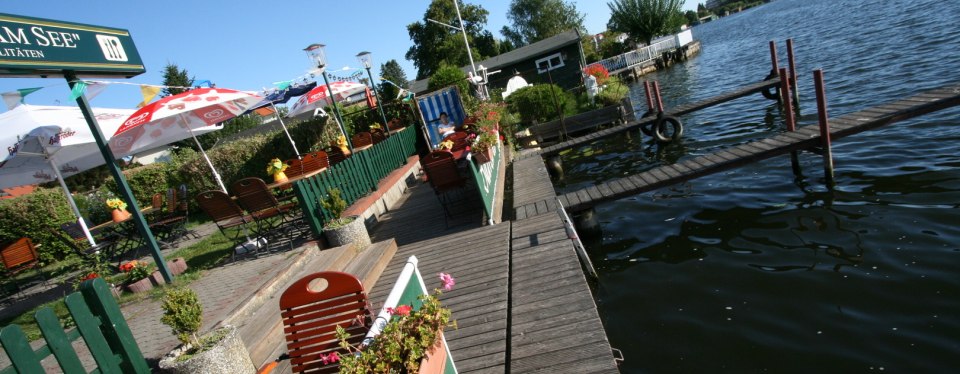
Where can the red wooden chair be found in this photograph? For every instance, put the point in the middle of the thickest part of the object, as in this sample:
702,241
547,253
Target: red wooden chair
295,167
311,316
335,155
377,135
444,177
20,255
226,214
361,139
254,197
315,161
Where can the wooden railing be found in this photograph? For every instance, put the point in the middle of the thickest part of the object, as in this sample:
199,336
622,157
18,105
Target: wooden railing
100,323
355,177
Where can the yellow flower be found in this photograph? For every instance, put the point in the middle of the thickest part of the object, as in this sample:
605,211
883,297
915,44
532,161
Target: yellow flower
342,141
446,144
276,166
115,203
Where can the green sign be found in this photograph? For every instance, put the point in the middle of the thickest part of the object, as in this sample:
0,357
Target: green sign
36,47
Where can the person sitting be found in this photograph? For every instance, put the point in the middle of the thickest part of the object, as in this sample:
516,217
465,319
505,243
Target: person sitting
445,127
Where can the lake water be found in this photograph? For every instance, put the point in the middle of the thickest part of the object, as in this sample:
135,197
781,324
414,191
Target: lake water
754,270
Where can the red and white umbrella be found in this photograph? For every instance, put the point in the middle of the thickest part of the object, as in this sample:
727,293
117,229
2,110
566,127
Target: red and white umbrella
343,92
167,118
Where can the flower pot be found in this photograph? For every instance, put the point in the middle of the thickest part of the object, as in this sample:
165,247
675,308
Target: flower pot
177,266
156,278
142,285
353,232
229,355
483,157
119,215
435,360
279,177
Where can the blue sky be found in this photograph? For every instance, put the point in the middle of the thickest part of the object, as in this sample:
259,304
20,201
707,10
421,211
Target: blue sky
248,45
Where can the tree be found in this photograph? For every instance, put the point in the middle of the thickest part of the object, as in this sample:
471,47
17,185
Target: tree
691,17
642,20
392,71
535,20
448,75
176,77
434,43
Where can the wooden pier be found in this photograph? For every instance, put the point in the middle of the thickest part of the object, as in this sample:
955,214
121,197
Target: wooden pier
678,111
806,137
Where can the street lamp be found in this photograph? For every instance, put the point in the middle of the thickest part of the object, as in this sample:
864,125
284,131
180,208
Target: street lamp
317,56
367,60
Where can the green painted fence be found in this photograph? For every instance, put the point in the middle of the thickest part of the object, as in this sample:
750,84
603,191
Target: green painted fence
100,324
485,176
355,177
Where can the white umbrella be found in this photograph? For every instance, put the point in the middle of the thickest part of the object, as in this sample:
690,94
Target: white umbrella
197,109
47,143
345,92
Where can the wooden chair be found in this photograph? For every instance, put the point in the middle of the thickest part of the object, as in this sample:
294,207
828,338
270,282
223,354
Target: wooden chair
295,167
459,140
377,135
335,155
444,177
361,139
315,161
226,214
311,316
20,255
72,235
254,196
172,224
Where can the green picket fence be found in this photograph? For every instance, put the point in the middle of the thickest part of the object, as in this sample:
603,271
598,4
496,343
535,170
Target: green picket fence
100,324
486,178
355,177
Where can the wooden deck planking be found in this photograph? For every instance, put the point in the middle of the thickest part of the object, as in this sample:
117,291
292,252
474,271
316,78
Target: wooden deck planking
804,138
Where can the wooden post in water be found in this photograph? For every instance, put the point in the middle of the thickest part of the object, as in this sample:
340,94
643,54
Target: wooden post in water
793,76
824,127
646,89
789,119
659,100
774,65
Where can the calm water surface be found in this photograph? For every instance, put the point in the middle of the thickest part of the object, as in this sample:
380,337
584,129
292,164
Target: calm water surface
754,270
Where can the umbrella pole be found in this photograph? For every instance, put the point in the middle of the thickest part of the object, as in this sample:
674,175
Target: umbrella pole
73,204
216,175
280,118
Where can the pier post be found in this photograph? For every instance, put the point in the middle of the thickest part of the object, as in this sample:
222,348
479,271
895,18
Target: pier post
793,76
790,120
824,127
646,89
775,65
554,167
656,93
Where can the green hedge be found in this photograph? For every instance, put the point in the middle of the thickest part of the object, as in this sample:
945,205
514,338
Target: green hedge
32,216
540,103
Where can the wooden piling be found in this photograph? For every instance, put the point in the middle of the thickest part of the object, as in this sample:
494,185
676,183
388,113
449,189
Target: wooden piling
646,89
659,99
793,76
824,127
774,65
790,121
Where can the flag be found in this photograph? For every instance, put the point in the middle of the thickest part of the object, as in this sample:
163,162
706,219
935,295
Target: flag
14,98
149,92
77,89
94,89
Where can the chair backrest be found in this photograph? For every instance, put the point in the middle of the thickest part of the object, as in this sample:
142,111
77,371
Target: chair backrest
171,207
378,136
253,195
295,167
459,140
442,171
74,230
315,161
321,159
157,201
311,316
19,255
219,206
182,200
361,139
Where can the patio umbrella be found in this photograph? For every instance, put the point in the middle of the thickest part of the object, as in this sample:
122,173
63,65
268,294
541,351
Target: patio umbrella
46,143
195,109
280,97
345,92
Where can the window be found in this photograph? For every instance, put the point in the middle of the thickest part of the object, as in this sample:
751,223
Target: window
548,63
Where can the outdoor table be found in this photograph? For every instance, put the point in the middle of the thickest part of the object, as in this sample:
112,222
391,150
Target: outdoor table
290,181
111,223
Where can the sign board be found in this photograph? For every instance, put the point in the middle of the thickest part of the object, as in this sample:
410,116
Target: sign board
36,47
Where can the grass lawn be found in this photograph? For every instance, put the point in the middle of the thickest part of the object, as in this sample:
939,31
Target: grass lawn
206,254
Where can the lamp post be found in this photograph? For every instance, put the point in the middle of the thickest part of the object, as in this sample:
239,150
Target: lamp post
365,59
316,54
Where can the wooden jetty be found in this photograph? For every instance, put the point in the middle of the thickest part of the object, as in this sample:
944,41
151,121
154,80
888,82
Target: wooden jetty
805,137
678,111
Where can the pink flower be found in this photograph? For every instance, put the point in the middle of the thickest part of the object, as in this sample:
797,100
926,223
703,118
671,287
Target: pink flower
391,311
447,281
403,310
330,358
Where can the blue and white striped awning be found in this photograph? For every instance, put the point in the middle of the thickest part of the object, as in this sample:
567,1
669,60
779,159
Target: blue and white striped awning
446,100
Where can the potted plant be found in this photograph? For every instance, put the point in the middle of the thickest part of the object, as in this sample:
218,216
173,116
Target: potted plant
119,212
343,230
482,146
138,276
275,169
220,351
411,342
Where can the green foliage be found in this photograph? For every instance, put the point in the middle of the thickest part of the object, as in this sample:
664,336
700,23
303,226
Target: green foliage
34,216
434,44
541,103
183,313
613,92
402,343
449,75
144,181
643,20
535,20
334,204
691,17
174,76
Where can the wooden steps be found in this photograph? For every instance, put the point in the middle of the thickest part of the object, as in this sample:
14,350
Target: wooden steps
262,329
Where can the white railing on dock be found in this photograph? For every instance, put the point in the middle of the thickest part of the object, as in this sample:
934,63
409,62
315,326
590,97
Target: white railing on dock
641,55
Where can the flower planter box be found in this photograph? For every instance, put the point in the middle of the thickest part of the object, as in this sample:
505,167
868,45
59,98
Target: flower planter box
156,278
436,358
483,157
177,266
142,285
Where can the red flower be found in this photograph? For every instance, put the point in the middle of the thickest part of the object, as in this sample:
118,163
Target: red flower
128,266
403,310
91,276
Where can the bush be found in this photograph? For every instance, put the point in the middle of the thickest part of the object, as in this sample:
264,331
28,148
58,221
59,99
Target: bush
33,216
144,181
540,103
183,313
613,92
448,75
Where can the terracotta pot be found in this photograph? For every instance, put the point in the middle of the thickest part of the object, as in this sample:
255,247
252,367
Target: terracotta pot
156,278
142,285
177,266
279,177
119,215
483,157
436,359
